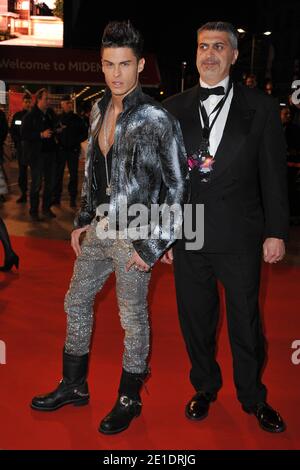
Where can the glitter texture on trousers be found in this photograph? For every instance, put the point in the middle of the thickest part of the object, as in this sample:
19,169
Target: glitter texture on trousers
98,259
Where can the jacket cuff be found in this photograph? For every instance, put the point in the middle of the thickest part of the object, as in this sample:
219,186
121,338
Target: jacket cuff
277,234
151,250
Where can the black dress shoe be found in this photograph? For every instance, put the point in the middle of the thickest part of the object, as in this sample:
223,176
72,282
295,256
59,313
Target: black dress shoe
268,419
121,415
63,395
197,408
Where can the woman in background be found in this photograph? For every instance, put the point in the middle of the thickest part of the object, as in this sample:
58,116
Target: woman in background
10,257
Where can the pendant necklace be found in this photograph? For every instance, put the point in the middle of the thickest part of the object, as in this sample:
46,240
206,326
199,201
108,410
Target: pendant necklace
106,145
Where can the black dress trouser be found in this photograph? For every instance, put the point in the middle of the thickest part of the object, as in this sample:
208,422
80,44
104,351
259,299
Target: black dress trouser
196,276
42,170
71,158
23,170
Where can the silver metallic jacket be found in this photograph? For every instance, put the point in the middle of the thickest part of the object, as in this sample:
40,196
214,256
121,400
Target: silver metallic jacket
148,155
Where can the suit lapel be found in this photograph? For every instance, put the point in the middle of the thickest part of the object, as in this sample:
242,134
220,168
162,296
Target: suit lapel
237,127
190,121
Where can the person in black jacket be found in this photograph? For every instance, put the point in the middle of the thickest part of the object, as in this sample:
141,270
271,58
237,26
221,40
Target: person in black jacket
236,155
37,133
70,132
15,131
134,146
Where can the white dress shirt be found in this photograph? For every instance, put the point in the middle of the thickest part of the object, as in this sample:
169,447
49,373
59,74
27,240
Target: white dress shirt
210,103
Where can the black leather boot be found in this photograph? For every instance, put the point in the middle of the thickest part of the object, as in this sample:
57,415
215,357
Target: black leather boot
73,388
127,406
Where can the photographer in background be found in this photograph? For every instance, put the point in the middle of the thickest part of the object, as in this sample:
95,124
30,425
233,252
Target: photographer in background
70,132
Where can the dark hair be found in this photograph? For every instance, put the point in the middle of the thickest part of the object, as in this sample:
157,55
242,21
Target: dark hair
27,96
123,34
223,26
39,94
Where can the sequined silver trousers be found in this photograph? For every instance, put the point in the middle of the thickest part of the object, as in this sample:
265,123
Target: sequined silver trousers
98,259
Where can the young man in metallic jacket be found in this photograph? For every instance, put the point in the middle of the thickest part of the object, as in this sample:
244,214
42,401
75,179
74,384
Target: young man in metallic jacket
134,146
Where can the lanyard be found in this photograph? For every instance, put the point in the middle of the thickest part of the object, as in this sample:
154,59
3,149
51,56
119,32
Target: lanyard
206,127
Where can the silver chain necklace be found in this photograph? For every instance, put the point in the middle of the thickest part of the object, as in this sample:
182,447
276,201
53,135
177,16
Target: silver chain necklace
106,145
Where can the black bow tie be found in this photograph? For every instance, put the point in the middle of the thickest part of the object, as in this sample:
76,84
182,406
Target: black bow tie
204,93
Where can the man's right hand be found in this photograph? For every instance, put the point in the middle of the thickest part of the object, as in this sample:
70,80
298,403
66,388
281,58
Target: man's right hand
75,239
168,257
46,134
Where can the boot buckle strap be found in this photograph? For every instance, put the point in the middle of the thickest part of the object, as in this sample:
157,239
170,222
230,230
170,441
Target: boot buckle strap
81,394
126,401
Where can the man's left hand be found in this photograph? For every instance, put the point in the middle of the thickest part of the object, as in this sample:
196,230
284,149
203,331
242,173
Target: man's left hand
136,262
273,249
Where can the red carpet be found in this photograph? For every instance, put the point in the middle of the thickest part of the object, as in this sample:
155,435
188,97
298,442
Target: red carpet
32,325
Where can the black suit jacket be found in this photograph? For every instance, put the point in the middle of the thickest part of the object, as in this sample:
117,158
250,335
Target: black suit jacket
246,198
33,145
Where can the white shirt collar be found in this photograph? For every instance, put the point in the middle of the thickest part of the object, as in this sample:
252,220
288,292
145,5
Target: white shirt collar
223,83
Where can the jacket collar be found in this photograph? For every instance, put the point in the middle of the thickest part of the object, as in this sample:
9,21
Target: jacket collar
237,128
130,100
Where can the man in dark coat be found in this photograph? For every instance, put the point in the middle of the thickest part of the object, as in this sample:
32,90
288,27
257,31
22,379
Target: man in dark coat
70,132
236,155
15,131
39,146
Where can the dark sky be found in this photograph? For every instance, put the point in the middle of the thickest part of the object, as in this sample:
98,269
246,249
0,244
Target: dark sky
169,29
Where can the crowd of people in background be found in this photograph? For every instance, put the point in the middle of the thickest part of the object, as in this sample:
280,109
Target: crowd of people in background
45,141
